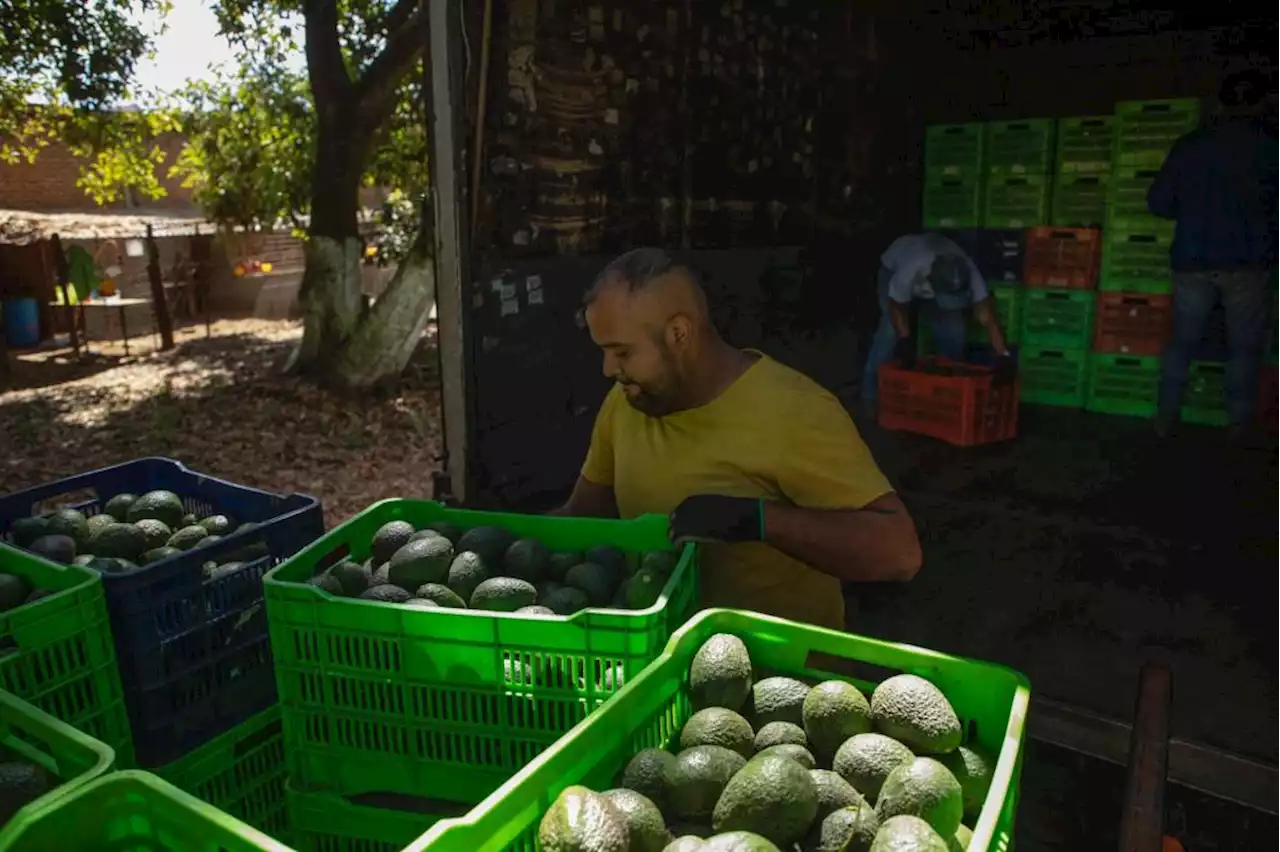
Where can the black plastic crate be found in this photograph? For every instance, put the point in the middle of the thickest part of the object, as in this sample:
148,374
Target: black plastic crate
1001,253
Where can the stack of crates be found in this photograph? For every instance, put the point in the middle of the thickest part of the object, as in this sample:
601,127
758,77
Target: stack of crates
953,176
1019,165
1082,169
1061,274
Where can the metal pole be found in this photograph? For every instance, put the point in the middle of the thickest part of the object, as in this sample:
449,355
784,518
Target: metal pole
1142,820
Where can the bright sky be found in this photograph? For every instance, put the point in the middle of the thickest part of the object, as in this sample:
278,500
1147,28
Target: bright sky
186,49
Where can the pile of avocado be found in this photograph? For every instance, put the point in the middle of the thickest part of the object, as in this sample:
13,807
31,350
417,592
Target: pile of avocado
488,568
16,591
779,765
21,783
129,532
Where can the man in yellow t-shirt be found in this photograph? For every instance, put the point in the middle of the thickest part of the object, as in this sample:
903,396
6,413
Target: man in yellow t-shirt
745,454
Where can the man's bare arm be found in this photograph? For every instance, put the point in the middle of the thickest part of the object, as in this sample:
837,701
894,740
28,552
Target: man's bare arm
875,543
900,319
589,500
984,313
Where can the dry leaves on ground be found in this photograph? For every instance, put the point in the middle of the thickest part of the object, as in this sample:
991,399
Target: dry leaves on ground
220,405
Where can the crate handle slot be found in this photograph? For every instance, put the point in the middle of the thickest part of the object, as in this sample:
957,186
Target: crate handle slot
1064,235
1135,300
1128,362
1057,297
1051,354
1150,108
1094,122
1089,181
1147,174
1215,369
1140,238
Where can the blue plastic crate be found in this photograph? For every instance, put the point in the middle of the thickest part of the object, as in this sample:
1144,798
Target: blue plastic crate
193,653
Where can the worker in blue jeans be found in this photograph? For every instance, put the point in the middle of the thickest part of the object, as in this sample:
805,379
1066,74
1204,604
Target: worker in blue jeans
1219,185
935,275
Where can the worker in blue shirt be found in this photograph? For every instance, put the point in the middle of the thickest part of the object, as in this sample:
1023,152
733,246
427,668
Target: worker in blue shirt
1219,185
935,275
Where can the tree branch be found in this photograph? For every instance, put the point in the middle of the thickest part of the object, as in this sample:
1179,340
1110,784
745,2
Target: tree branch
376,88
330,83
398,15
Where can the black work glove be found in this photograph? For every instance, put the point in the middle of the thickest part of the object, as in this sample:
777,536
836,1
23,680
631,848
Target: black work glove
714,518
904,352
1005,370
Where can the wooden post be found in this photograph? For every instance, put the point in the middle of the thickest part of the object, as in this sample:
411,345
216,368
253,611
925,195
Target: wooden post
158,303
64,278
1142,821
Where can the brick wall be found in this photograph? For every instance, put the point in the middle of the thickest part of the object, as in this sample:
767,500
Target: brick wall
49,183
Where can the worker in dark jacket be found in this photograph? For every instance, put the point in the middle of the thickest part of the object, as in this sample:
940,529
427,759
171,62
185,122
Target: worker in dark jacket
1219,184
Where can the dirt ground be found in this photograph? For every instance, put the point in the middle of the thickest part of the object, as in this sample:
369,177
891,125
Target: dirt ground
219,404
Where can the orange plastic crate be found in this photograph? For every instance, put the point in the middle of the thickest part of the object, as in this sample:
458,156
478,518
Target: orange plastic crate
1062,257
952,401
1133,323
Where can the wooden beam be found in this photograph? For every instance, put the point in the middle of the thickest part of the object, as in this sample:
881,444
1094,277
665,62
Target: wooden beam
159,304
1142,820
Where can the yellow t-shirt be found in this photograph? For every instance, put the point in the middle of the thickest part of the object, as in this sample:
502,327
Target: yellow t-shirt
773,433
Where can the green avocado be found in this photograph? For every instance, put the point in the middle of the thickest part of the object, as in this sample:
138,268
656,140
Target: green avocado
832,712
526,559
352,577
442,595
923,788
490,542
865,760
780,733
156,532
121,541
720,727
645,826
772,796
565,600
446,529
162,505
217,524
159,553
119,505
594,581
503,594
389,538
582,821
779,699
798,753
27,530
720,674
21,783
559,564
386,594
644,774
905,832
188,537
696,779
14,590
849,829
71,523
915,713
465,573
55,548
420,562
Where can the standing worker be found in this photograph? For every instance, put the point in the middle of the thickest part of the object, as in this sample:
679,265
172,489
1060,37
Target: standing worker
1219,185
933,273
744,453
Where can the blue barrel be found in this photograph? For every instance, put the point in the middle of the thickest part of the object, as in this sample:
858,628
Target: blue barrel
22,323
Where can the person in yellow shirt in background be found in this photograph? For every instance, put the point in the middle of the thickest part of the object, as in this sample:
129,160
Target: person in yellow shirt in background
745,454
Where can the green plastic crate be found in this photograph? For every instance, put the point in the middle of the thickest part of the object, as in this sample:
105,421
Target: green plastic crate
1084,146
952,202
1008,310
60,655
1123,384
1022,147
70,757
1053,376
1144,131
1127,202
953,150
323,822
132,811
1016,202
991,700
241,772
1204,400
450,703
1058,319
1136,262
1079,201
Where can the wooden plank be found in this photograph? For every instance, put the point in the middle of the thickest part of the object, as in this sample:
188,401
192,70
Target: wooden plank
1142,814
159,304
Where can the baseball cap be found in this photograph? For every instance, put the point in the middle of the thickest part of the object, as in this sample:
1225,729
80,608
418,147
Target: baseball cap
949,277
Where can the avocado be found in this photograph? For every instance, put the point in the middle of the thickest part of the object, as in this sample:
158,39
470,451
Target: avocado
490,542
111,565
778,699
442,595
385,593
696,779
536,609
907,833
224,570
923,788
972,766
190,519
963,837
582,821
13,591
157,532
55,548
644,773
686,843
565,600
389,538
594,581
121,541
162,505
217,524
187,537
381,575
326,582
780,733
465,573
915,713
446,529
119,505
798,753
422,603
611,559
699,830
865,760
720,674
848,829
526,559
645,825
642,589
721,727
421,534
39,595
97,523
660,562
833,792
420,562
832,712
772,796
27,530
211,538
559,564
71,523
159,553
738,841
21,783
503,594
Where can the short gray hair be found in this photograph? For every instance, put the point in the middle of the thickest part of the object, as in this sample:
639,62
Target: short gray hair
636,268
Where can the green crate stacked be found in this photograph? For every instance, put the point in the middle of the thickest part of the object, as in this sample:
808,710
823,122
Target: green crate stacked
1135,254
1082,170
1123,384
1019,162
1008,303
953,175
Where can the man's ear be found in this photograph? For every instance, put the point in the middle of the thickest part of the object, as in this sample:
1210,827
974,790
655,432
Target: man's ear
679,331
